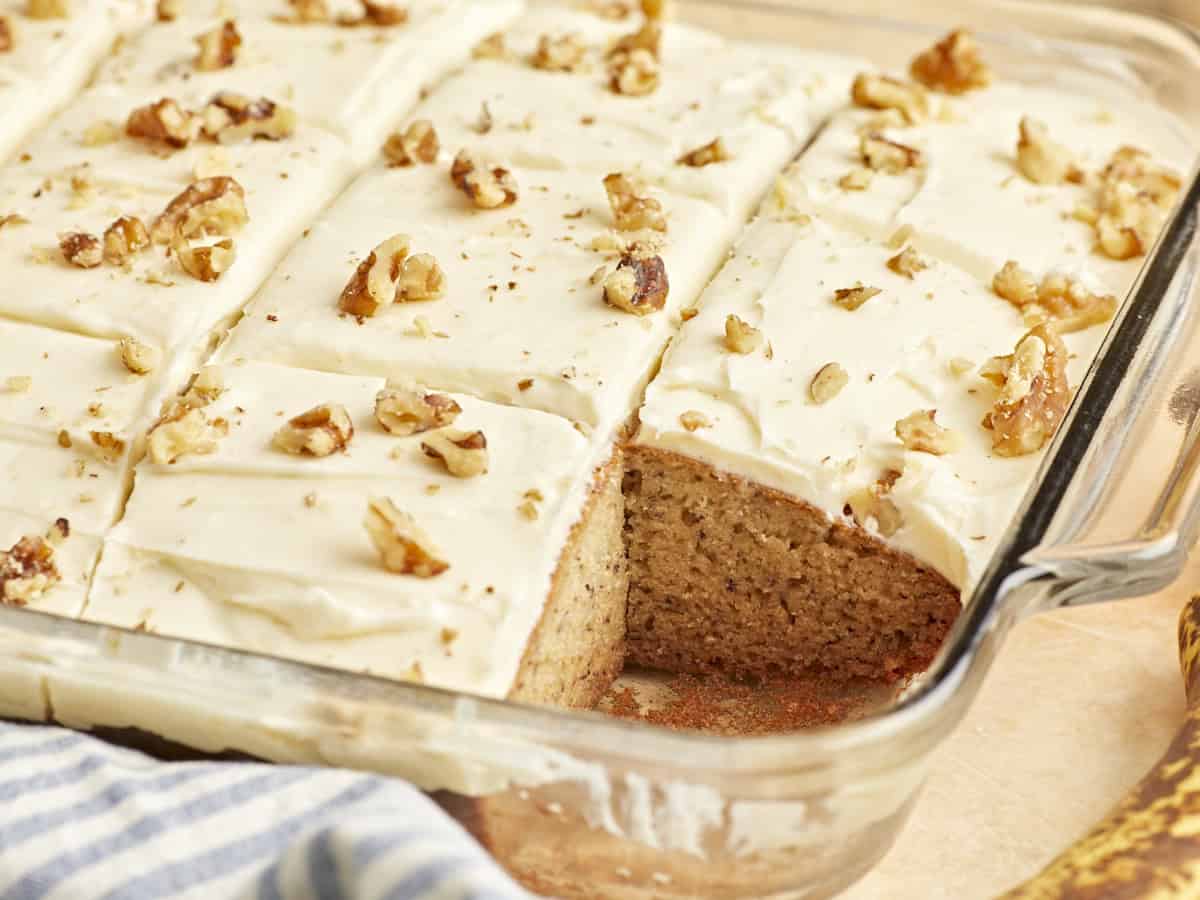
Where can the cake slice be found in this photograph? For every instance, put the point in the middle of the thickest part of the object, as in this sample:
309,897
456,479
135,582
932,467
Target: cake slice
48,49
811,487
491,565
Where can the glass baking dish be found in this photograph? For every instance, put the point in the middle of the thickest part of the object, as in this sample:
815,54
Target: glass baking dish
579,804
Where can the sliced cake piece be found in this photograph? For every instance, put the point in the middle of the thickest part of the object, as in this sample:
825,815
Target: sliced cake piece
344,66
402,532
48,49
565,89
825,460
507,303
1051,171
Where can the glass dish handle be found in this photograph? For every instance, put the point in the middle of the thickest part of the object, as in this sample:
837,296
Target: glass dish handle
1117,506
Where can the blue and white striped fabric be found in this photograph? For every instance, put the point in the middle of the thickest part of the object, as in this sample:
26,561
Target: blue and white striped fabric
81,819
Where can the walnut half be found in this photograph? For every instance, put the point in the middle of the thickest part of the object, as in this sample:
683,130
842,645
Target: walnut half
872,91
953,65
403,547
1034,393
230,117
184,430
27,569
489,186
637,285
320,431
463,453
417,143
124,238
81,249
404,410
210,206
1058,297
163,122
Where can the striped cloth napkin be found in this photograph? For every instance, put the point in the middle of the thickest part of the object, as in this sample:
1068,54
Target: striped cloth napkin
82,819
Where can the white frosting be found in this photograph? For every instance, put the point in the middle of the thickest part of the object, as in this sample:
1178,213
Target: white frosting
51,59
224,548
896,350
354,82
969,204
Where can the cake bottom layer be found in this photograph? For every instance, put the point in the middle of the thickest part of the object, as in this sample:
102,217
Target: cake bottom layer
578,648
731,577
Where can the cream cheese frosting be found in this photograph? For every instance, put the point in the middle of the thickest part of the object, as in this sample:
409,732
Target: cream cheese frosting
51,59
354,81
917,345
258,549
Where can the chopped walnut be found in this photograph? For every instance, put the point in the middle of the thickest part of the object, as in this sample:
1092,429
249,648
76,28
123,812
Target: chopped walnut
564,53
857,179
164,122
403,410
952,65
828,383
49,9
8,34
137,357
741,337
907,263
27,569
852,298
882,155
712,152
463,453
421,278
309,12
230,117
417,143
656,9
210,206
1033,393
81,249
881,92
168,10
207,262
1059,297
491,47
648,38
694,420
1042,160
207,385
124,238
375,12
488,185
631,210
633,74
871,506
218,48
1135,196
404,548
637,285
111,446
373,283
920,433
185,430
321,431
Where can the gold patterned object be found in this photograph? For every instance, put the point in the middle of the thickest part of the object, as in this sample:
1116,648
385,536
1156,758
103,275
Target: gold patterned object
1148,847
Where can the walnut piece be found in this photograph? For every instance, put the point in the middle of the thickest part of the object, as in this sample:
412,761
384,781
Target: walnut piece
873,509
218,48
320,431
111,446
872,91
857,179
405,410
714,151
381,14
163,122
648,38
8,34
205,262
828,383
27,569
907,263
463,453
210,206
184,431
404,548
633,74
488,185
491,47
631,210
309,12
1059,297
137,357
741,337
49,9
637,285
1033,393
1135,196
881,155
373,283
168,10
417,143
207,385
229,118
421,278
952,65
920,433
852,298
694,420
124,238
562,53
81,249
1042,160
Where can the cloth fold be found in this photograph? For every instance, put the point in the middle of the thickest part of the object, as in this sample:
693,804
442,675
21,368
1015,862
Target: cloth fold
80,818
